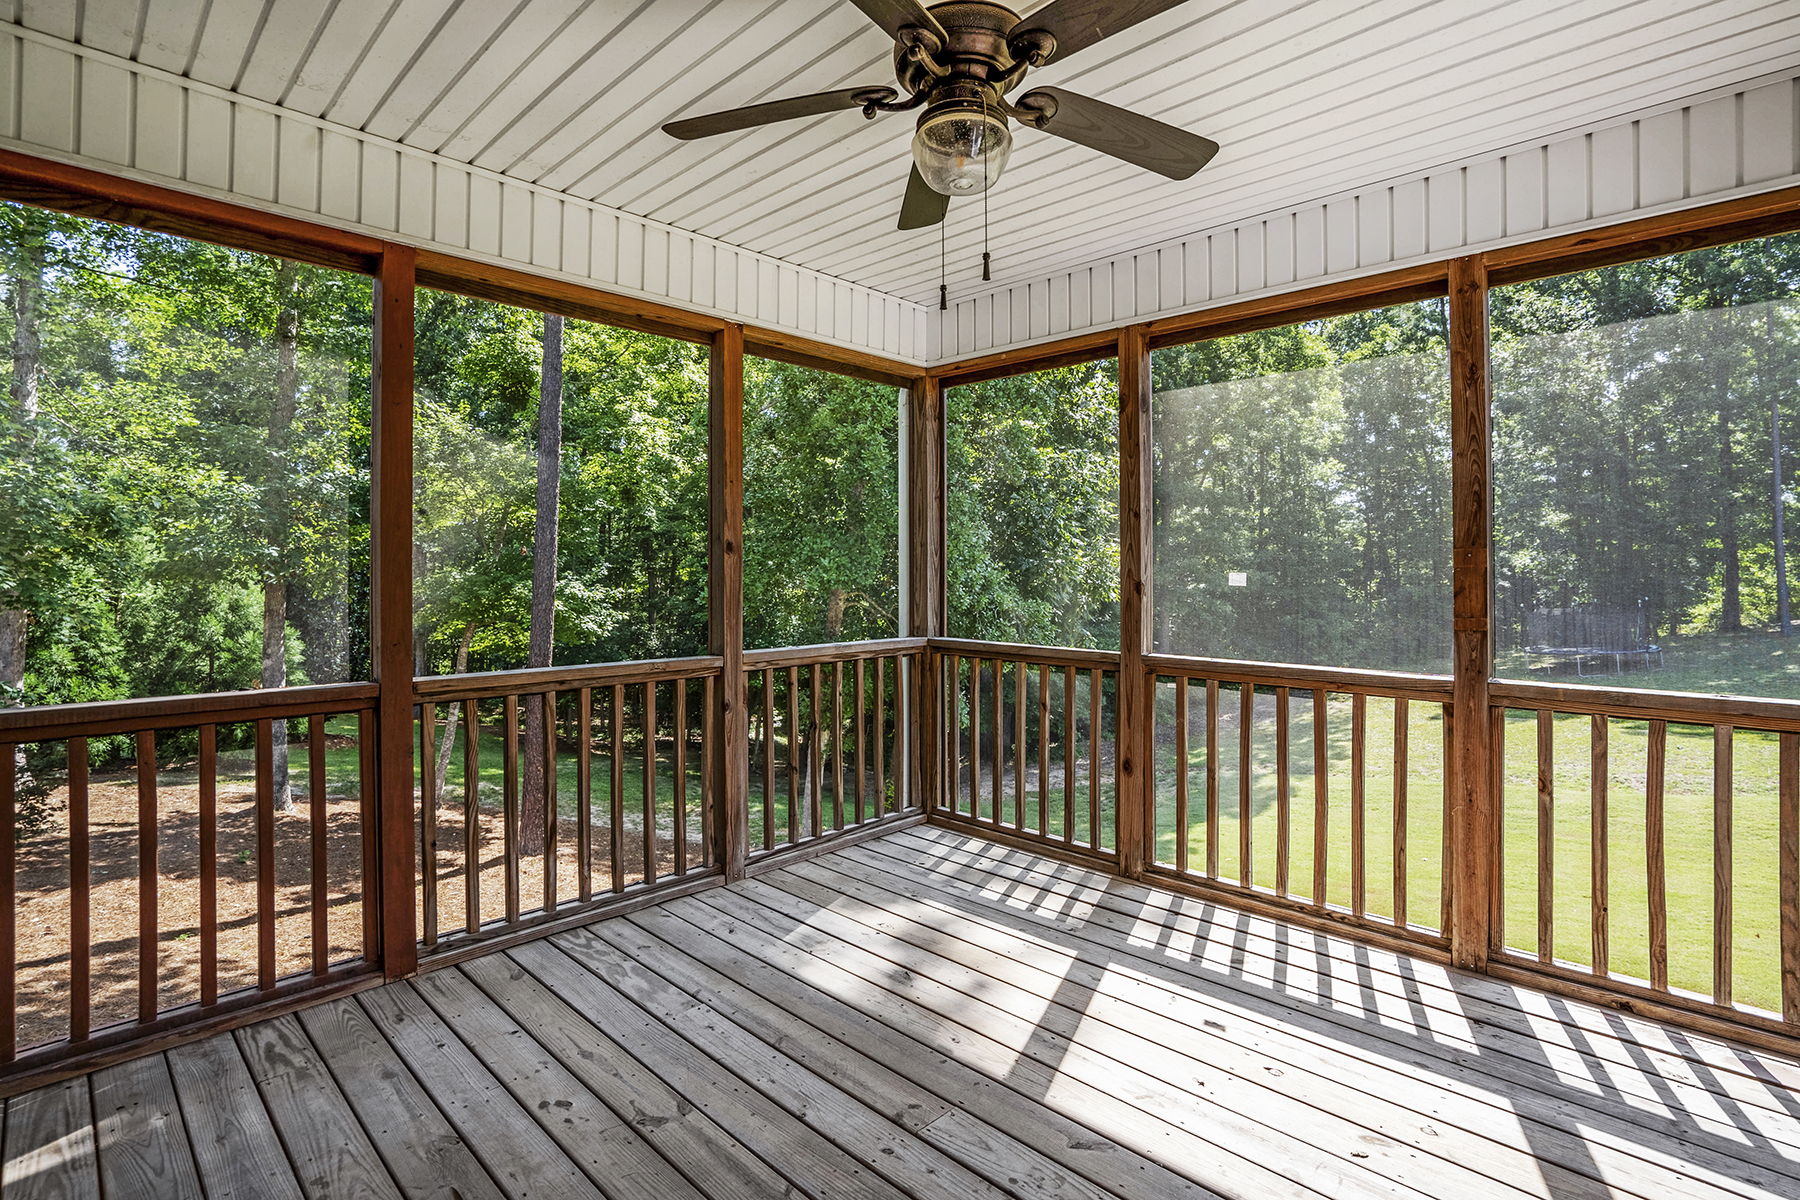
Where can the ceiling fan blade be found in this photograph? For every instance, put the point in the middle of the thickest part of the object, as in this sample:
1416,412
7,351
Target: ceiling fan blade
922,207
750,116
1078,24
1143,141
895,15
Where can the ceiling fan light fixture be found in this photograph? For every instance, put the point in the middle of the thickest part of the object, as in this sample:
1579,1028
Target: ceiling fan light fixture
961,149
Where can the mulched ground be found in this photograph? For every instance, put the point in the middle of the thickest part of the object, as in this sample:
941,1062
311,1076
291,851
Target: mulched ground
43,912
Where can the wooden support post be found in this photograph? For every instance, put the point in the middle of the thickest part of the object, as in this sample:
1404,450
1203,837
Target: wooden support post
391,618
1473,812
925,581
725,461
1136,773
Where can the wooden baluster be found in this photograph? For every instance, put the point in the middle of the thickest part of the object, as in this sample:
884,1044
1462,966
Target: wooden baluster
367,834
975,738
1212,779
584,794
1654,870
1096,696
1068,741
552,802
471,816
861,744
265,857
708,748
1183,822
1598,840
815,806
1246,780
1546,835
1283,830
650,863
509,801
768,758
879,720
615,834
1497,787
321,901
1020,671
427,825
837,745
1788,849
81,882
953,753
793,756
1321,798
680,768
209,866
1359,883
1401,730
999,739
9,905
1043,697
1722,931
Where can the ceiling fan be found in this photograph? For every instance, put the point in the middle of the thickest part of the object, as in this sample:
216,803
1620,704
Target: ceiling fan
957,61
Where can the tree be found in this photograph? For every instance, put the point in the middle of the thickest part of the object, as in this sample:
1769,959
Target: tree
539,722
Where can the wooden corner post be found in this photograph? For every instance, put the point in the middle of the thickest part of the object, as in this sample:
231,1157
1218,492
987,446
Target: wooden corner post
391,615
725,592
1473,816
925,577
1136,788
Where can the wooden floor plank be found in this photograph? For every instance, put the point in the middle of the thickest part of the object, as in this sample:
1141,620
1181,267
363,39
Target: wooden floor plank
142,1141
416,1143
327,1146
808,1159
884,1080
1347,1075
516,1151
235,1145
841,1114
1000,1054
1302,1147
1077,1148
1560,1086
611,1153
928,1016
1617,1045
716,1162
49,1144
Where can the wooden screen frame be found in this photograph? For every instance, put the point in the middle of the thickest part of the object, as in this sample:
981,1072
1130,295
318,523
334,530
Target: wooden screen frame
399,268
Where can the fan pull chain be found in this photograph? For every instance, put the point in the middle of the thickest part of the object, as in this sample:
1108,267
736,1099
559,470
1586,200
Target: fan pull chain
986,186
943,265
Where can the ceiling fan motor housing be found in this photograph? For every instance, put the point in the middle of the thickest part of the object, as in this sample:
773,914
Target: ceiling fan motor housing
974,50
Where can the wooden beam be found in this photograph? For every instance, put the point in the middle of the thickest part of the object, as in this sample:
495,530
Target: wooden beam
1136,773
821,356
725,463
104,197
391,584
925,578
1473,815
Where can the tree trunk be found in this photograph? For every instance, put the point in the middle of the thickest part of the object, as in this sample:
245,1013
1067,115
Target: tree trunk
1731,612
834,614
455,710
537,788
281,428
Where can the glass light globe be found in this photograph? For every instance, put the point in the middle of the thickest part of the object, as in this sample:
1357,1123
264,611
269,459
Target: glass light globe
961,153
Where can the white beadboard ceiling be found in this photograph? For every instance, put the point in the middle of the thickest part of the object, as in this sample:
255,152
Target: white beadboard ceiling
1307,97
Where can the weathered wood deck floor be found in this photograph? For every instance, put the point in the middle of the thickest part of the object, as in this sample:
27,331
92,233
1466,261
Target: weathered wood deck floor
931,1016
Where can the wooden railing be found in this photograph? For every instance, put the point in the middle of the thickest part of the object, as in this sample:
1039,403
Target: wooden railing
523,819
169,879
1264,785
1029,742
1660,833
828,739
